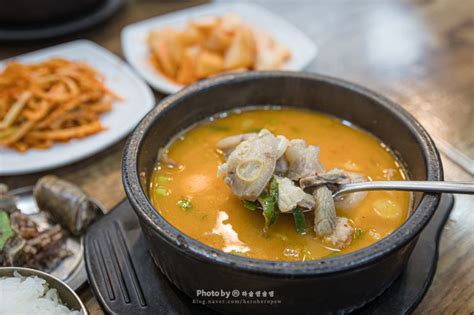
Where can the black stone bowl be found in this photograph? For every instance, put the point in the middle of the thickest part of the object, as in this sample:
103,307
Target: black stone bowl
332,285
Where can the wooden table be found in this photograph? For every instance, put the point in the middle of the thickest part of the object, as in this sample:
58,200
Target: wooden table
418,53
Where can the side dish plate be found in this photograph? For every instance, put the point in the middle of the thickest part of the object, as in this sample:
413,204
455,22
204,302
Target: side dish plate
135,48
72,269
137,101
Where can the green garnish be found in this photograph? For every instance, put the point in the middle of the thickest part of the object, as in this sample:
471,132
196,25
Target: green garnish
250,205
358,233
6,231
163,180
299,221
161,191
268,200
185,204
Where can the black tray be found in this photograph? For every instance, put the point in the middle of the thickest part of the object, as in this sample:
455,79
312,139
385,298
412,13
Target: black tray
60,28
125,280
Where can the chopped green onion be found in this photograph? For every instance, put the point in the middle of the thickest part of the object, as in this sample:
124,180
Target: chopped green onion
250,205
299,221
6,231
185,204
358,233
268,200
163,180
161,191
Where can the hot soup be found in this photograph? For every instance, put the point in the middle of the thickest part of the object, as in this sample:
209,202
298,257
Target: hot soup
298,157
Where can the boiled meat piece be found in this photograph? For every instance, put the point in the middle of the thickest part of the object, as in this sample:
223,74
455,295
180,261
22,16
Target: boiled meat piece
283,143
290,196
281,167
303,160
282,164
228,144
308,202
334,176
342,234
337,177
250,166
324,212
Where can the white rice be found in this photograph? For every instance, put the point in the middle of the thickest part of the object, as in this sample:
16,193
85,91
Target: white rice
30,295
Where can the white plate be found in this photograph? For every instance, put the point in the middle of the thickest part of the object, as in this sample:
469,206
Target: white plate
125,115
135,49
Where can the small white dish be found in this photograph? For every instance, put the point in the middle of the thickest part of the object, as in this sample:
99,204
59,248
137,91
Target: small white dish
136,52
137,100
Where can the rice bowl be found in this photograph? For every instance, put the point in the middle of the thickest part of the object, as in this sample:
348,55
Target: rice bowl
28,291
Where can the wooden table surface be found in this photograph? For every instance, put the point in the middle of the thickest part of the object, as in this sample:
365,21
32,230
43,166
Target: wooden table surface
418,53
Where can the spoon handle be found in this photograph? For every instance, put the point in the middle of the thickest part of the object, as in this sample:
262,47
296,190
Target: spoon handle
425,186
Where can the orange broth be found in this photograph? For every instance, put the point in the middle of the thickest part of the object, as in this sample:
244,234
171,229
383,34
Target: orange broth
217,218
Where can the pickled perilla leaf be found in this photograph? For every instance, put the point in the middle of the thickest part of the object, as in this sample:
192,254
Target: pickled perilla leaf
6,231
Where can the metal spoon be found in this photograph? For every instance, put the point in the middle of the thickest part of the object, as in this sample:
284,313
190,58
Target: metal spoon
424,186
405,185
